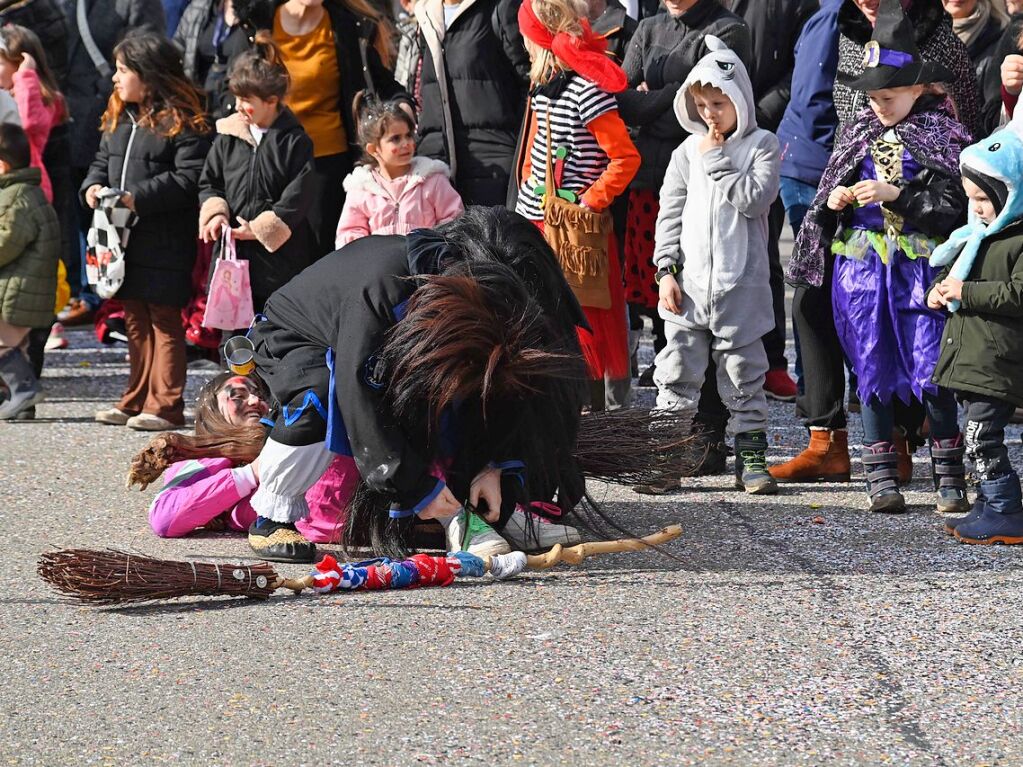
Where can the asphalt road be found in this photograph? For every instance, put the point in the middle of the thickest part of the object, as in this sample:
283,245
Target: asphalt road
796,630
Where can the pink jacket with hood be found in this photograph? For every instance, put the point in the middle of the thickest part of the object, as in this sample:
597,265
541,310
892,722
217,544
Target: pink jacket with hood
37,118
422,198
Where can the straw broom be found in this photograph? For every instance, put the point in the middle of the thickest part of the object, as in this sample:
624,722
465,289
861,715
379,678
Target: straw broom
109,577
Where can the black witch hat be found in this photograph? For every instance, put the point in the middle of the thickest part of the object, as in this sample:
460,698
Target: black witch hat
891,58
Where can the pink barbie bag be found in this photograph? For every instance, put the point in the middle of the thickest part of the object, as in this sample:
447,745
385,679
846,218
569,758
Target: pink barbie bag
229,304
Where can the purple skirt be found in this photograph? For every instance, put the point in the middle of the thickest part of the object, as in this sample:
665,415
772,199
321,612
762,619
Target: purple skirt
891,338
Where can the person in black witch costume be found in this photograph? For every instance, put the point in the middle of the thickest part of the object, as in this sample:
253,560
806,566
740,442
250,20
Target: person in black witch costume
889,196
445,362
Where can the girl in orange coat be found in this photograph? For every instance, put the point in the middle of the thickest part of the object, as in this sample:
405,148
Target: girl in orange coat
571,96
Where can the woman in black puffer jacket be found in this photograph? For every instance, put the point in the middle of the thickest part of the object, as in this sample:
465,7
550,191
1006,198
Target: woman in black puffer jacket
475,73
211,35
153,146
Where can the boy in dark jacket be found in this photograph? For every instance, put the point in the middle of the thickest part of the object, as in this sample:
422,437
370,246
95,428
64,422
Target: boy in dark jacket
259,175
29,251
982,345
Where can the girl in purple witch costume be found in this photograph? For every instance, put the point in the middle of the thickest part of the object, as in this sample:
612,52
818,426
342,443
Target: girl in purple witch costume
889,196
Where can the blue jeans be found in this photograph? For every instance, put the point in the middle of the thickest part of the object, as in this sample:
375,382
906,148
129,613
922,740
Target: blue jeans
879,420
797,196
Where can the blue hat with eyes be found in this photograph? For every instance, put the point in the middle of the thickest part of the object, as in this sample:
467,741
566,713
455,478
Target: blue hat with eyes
996,166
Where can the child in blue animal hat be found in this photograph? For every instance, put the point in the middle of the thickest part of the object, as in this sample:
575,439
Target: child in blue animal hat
981,358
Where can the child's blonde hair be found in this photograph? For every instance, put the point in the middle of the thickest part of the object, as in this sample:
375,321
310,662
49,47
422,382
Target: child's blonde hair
705,90
557,16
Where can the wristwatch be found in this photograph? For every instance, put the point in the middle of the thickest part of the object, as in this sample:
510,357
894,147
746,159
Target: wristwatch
671,269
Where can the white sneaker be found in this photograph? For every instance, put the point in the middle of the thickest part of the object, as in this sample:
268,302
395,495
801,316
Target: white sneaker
112,416
150,422
529,532
470,532
57,339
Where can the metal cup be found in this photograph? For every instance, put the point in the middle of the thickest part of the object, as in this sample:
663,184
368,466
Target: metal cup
240,354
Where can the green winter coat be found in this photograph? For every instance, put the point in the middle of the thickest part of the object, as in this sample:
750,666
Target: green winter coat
29,251
982,346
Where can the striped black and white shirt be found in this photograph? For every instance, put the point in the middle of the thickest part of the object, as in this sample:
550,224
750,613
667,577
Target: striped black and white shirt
578,104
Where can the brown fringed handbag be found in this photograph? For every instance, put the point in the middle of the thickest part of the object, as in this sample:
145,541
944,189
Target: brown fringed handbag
579,239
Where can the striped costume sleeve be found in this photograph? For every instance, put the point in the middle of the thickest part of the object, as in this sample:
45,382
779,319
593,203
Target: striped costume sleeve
590,101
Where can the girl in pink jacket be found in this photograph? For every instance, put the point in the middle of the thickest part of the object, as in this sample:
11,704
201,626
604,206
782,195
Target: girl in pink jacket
25,73
393,191
214,493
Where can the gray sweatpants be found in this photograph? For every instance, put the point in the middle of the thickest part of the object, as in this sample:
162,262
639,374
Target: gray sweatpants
681,367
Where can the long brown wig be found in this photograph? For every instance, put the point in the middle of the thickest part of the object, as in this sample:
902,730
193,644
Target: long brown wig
214,436
472,332
171,103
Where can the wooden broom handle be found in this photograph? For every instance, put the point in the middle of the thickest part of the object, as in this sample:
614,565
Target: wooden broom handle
573,555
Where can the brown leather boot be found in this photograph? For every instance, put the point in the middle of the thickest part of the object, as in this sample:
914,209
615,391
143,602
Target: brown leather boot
905,457
825,460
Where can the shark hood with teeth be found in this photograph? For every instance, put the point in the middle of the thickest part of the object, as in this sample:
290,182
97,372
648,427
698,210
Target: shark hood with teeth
998,157
723,69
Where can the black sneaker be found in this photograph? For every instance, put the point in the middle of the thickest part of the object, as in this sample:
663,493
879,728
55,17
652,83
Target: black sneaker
646,378
280,542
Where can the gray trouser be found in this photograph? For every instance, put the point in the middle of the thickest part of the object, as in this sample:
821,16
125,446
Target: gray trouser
682,366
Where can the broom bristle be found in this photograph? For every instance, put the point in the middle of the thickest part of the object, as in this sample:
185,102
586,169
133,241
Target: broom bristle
632,446
115,577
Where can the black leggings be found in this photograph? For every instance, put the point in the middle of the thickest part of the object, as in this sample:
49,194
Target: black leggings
328,172
774,340
821,403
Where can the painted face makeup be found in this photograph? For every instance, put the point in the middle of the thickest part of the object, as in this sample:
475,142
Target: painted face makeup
240,402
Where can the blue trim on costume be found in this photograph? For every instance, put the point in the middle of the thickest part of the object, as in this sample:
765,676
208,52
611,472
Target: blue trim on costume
426,501
267,422
290,416
516,468
257,318
400,311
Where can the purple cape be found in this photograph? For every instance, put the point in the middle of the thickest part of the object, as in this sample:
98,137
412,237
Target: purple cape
933,137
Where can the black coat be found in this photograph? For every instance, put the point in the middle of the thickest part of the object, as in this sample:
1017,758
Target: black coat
269,185
774,27
983,50
46,19
212,76
982,347
617,27
662,53
86,89
348,301
163,176
991,85
474,79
